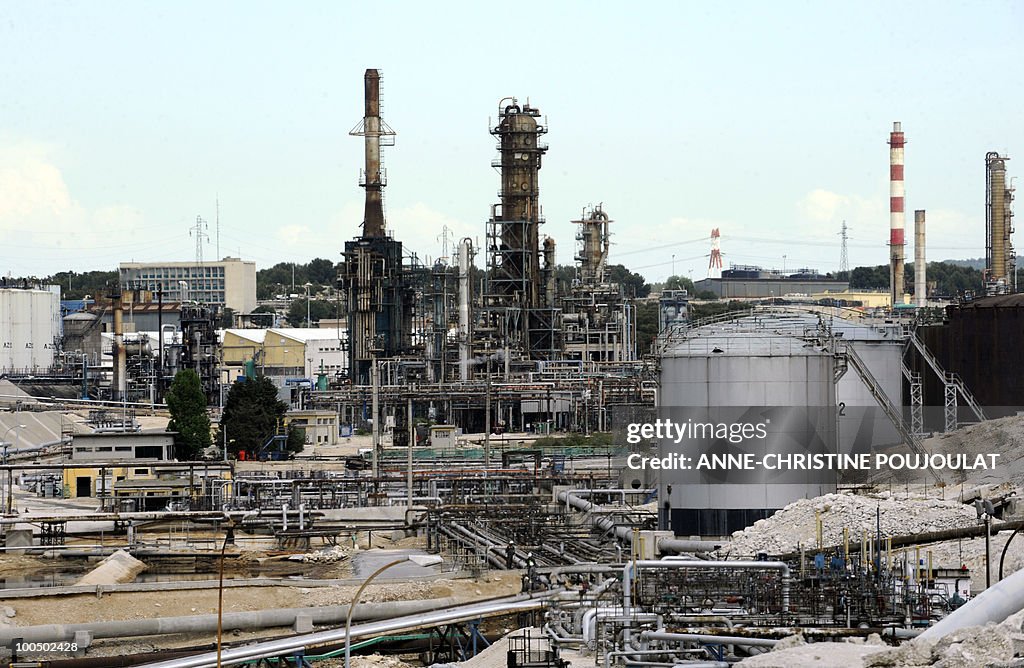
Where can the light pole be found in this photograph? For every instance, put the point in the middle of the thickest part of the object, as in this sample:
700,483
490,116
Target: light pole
307,286
418,559
10,477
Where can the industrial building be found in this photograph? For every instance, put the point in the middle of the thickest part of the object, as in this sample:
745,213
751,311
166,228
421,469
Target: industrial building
752,282
227,283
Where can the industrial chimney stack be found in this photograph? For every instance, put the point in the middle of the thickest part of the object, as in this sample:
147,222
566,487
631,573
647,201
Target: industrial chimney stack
896,217
920,270
376,134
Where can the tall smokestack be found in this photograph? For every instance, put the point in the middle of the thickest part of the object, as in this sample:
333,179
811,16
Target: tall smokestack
920,282
373,129
896,218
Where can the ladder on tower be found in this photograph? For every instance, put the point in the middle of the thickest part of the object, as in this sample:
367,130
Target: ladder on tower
952,384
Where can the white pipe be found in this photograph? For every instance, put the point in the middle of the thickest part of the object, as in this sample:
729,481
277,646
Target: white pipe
708,638
995,604
256,619
288,645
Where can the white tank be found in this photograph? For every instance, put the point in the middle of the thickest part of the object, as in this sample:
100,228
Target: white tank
29,329
770,364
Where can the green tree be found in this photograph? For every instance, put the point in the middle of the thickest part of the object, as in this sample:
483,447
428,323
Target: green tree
227,318
322,272
252,415
633,283
187,405
646,326
679,283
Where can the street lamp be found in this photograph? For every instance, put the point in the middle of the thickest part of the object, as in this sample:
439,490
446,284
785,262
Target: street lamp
308,285
418,559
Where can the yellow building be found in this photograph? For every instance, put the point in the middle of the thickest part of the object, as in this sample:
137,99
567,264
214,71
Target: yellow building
136,471
867,298
284,352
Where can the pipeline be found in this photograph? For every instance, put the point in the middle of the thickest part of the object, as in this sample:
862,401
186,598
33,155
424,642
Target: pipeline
995,604
259,619
661,652
625,533
708,638
632,566
282,646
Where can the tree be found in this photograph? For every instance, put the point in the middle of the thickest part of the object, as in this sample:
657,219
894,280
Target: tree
253,414
187,405
647,326
227,318
322,272
633,284
679,283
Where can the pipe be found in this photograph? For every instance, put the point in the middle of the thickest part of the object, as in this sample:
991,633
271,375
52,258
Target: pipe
992,605
625,533
631,566
708,638
259,619
646,652
465,334
282,646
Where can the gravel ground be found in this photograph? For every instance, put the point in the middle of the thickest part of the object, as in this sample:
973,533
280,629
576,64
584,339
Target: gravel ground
795,524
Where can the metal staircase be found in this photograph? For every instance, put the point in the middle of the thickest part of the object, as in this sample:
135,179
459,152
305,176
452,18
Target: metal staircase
952,383
855,362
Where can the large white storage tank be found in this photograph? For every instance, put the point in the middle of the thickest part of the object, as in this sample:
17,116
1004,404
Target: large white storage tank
759,372
29,329
777,361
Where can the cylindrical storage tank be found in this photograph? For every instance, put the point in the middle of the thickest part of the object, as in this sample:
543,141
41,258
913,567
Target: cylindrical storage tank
743,375
28,330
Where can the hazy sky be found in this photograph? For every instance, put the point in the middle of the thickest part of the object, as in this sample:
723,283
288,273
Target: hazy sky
120,122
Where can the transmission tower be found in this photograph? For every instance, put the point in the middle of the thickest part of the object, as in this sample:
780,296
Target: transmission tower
844,258
199,231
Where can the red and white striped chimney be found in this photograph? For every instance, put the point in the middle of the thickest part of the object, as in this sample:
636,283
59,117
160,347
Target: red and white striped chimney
896,215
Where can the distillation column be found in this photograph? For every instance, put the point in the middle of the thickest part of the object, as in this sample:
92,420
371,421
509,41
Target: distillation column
1000,259
896,213
465,299
520,317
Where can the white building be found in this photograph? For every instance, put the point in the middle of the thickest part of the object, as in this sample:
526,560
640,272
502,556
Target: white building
230,282
29,328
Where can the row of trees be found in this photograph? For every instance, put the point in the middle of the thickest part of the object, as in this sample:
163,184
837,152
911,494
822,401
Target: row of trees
944,278
252,416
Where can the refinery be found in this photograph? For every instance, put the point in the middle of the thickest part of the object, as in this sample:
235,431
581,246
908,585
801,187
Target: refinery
496,457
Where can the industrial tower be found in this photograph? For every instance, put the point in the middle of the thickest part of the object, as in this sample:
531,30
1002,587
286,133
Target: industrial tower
378,297
1000,260
521,316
